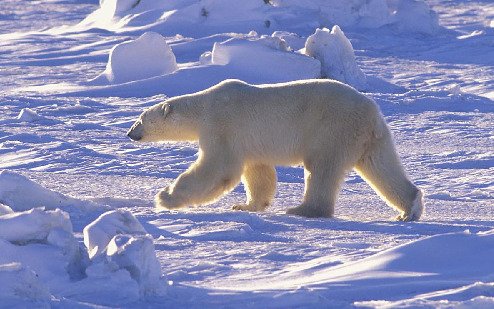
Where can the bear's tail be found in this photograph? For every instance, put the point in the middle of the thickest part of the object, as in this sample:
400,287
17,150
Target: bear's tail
380,166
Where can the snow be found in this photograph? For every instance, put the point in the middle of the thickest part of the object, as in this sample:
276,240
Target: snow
147,56
28,115
117,241
19,193
99,233
21,286
201,18
266,56
136,254
35,224
77,223
337,57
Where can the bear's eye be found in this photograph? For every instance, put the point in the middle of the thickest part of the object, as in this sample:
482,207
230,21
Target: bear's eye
166,109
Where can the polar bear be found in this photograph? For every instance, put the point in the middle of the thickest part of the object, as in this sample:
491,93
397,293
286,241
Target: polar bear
245,130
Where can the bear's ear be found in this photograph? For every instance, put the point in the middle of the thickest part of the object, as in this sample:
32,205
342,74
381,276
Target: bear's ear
166,109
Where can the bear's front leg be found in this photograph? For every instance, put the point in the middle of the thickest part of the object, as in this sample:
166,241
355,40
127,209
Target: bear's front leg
206,180
164,199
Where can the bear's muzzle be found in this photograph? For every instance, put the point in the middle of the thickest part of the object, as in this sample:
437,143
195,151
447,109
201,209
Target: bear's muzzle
135,132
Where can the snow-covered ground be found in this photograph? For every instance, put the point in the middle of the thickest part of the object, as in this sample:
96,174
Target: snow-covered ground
77,226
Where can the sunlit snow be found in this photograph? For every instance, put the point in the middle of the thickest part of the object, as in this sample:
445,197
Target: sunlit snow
77,223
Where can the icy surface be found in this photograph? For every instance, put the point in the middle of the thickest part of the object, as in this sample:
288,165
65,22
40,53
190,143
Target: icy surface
432,81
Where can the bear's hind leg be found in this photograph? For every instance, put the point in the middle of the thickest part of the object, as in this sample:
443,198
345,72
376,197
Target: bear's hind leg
380,166
205,181
323,179
260,185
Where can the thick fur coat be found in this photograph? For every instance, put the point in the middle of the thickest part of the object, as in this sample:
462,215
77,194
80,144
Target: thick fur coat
244,131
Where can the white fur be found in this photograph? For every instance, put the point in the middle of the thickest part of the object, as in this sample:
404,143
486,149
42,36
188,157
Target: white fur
245,130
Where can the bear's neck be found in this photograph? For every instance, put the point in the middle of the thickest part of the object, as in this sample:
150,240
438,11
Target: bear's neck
191,123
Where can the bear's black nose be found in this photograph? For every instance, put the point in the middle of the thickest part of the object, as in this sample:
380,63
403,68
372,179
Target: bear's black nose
133,136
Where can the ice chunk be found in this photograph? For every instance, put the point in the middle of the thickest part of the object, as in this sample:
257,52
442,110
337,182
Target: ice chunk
145,57
337,57
99,233
34,225
20,193
136,254
20,285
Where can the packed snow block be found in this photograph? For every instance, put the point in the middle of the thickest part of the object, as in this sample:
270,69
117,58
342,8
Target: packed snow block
37,225
147,56
99,233
337,57
20,193
264,56
136,254
20,286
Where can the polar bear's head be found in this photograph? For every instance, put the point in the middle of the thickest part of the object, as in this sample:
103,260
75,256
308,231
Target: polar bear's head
151,124
163,122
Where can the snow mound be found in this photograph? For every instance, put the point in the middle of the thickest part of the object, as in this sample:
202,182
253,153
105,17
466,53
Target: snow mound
42,241
147,56
249,57
130,261
99,233
20,193
21,285
264,56
28,115
335,52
